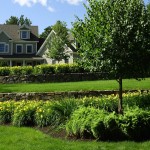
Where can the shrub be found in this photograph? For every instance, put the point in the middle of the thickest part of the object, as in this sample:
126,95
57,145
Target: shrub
4,71
135,123
63,109
27,70
44,69
24,114
62,68
45,116
108,103
6,112
81,121
17,70
142,100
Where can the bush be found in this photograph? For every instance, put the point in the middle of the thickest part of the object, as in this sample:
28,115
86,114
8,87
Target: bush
108,103
62,68
142,100
24,114
6,112
41,69
135,123
4,71
27,70
81,122
45,116
63,109
44,69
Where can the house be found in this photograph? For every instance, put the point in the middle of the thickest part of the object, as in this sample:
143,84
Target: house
21,46
70,50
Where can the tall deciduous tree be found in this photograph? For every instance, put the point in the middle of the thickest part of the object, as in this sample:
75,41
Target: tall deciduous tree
18,21
56,45
115,36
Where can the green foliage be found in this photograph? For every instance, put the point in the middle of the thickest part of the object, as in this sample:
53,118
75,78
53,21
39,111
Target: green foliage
84,118
6,112
56,45
44,69
63,109
46,32
5,71
24,114
114,36
135,123
45,116
81,121
108,103
41,69
21,70
18,21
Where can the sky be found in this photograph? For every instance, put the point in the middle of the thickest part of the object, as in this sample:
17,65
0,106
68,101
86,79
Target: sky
43,13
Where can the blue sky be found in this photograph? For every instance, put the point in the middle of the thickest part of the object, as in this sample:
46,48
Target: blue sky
43,12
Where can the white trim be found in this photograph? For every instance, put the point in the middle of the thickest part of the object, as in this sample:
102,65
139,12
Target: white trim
28,34
24,25
6,34
27,46
44,44
21,48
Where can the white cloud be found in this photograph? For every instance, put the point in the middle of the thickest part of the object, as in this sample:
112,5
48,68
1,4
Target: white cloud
72,2
29,3
51,9
45,3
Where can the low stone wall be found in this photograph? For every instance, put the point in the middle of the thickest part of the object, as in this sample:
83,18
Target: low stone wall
61,77
58,95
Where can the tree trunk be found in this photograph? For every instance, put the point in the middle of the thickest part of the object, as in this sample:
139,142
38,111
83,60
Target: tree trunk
120,108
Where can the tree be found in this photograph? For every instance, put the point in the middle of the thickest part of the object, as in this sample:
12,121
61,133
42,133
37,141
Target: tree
12,20
18,21
46,32
114,36
56,45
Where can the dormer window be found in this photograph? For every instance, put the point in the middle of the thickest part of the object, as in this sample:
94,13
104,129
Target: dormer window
25,34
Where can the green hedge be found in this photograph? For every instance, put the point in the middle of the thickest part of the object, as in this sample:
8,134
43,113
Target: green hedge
41,69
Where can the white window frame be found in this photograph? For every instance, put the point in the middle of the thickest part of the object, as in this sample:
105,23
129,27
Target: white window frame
21,48
28,34
27,49
5,50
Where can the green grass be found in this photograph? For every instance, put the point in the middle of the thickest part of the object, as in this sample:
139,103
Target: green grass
76,86
13,138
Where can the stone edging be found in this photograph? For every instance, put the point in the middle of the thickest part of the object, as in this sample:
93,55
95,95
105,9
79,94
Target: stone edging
60,95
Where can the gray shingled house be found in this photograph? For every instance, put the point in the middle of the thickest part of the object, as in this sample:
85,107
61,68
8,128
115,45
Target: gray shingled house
21,46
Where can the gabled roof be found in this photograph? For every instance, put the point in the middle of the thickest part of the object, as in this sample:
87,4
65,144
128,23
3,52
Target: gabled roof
5,34
42,50
13,32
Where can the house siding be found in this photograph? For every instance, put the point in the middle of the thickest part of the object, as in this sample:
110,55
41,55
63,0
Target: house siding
5,38
24,47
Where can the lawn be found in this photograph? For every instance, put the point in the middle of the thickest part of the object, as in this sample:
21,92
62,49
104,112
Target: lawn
128,84
13,138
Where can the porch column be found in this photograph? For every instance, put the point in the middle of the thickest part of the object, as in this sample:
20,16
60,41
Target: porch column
24,63
10,63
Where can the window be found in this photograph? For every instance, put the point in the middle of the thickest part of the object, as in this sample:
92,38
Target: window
4,48
29,48
24,34
19,48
